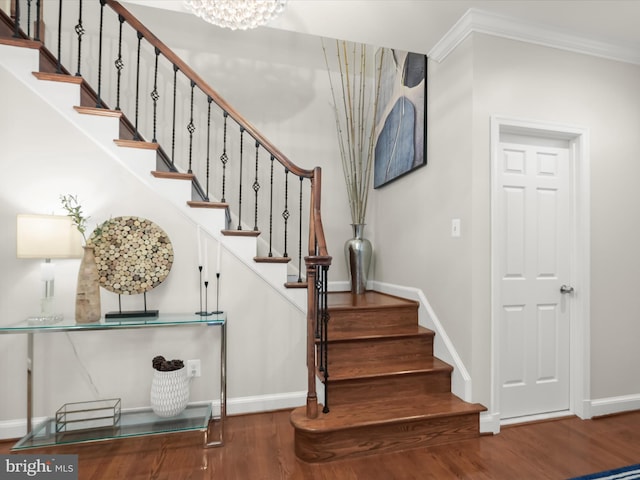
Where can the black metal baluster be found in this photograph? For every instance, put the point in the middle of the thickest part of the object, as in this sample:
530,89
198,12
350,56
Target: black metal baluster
191,128
155,96
136,135
119,63
322,320
271,209
285,212
240,187
28,17
224,158
79,32
323,307
38,21
58,63
16,21
318,332
319,323
99,93
173,127
256,188
300,235
209,100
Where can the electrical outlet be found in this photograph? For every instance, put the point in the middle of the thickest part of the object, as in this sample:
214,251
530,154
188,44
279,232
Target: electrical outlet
193,368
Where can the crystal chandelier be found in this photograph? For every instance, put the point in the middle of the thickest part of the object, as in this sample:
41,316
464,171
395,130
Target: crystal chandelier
236,14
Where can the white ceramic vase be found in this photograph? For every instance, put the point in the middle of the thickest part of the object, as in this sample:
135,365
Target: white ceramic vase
169,392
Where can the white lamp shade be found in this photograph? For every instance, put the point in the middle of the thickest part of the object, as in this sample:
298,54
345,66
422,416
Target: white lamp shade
47,236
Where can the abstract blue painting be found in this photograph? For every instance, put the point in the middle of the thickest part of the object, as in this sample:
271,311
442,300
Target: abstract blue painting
401,116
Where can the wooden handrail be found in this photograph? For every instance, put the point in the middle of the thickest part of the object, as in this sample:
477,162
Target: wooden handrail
202,85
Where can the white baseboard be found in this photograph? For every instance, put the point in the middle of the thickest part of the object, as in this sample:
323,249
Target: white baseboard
610,405
489,423
17,428
536,418
265,403
10,429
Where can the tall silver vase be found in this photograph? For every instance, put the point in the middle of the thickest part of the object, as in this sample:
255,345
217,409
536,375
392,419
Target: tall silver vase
358,253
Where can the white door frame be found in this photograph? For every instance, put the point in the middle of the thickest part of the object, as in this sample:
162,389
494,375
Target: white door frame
579,369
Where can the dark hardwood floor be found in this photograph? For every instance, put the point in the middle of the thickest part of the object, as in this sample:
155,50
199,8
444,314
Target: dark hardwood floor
260,447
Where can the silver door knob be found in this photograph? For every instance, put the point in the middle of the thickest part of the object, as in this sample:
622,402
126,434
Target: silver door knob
566,289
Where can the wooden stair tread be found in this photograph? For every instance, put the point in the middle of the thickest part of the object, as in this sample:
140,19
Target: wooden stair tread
387,367
373,332
272,259
385,411
207,204
58,77
137,144
21,42
368,300
241,233
101,112
173,175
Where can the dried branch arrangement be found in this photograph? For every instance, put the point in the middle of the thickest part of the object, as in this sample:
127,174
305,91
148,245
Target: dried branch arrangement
163,365
355,110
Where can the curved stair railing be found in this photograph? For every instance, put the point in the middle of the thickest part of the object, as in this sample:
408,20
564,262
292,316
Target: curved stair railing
125,67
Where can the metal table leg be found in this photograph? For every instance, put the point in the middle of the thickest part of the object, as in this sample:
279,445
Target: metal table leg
29,381
223,393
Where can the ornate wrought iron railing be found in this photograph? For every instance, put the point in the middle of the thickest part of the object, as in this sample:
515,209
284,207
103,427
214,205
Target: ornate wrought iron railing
198,134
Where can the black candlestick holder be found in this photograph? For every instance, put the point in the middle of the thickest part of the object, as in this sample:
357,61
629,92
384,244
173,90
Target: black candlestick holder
203,313
217,311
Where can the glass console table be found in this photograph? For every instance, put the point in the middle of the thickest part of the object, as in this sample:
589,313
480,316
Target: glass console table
133,423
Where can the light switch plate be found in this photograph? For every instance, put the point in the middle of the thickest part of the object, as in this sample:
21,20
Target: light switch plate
455,227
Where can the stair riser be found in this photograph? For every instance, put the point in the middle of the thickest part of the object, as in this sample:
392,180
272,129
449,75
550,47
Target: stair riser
360,352
360,441
388,319
397,386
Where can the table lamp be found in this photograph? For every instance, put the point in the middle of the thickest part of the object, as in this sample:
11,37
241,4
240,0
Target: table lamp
47,237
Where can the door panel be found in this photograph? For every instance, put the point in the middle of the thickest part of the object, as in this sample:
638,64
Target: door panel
534,212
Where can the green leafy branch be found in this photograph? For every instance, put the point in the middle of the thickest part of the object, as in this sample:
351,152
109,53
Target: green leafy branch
74,210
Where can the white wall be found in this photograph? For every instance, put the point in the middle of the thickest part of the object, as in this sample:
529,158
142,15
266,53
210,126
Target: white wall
413,214
489,75
523,80
45,156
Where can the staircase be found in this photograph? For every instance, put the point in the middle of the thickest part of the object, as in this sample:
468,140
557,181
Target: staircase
386,390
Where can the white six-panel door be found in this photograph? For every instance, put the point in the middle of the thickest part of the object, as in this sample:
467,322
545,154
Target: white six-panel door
533,219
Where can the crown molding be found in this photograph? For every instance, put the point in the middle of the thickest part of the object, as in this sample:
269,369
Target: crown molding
479,21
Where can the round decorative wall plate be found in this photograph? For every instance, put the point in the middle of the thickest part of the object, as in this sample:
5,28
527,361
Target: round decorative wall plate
134,255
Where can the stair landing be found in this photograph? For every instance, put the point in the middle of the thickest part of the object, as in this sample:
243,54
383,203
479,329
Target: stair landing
386,390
